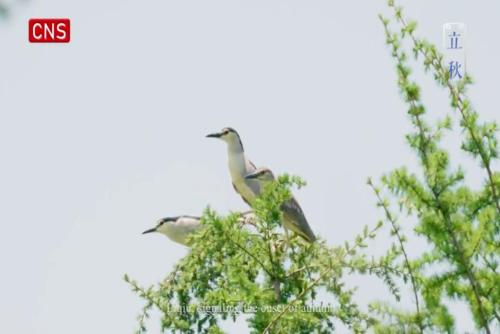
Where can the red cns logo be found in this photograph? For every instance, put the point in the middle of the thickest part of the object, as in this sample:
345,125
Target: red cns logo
49,30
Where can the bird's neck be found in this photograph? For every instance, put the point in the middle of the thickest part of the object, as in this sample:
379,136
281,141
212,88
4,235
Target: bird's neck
237,164
235,147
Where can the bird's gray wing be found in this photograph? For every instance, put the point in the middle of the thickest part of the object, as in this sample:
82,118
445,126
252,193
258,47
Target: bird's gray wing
250,166
254,185
294,215
191,224
191,217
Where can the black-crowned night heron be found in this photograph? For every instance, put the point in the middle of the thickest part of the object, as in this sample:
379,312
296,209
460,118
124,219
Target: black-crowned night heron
239,165
179,228
293,216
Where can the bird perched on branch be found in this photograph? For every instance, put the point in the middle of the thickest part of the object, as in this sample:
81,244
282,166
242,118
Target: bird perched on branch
239,165
293,216
179,228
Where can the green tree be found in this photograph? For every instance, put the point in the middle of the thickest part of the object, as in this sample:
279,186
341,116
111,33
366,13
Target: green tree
232,269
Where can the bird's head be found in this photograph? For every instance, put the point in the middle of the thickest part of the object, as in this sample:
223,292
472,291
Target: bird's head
161,226
261,174
229,135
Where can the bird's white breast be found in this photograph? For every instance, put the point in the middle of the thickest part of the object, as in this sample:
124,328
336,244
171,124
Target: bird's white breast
179,230
238,170
175,233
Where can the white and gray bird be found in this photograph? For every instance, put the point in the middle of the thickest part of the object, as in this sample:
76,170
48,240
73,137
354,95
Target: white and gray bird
293,216
177,228
239,165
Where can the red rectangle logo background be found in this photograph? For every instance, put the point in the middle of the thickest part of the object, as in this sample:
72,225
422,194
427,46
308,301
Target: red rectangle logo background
49,30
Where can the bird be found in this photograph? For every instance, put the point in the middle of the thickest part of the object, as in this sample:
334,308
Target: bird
293,216
239,165
177,228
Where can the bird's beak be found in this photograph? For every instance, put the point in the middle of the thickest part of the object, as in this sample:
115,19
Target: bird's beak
251,176
214,135
151,230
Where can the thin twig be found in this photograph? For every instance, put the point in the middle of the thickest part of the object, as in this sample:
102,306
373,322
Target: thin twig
395,228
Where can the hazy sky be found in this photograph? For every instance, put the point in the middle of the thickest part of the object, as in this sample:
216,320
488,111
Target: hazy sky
104,135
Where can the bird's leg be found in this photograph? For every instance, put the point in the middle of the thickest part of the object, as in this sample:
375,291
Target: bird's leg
293,248
287,240
277,290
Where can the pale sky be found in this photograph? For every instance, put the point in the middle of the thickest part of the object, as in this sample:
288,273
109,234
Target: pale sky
101,137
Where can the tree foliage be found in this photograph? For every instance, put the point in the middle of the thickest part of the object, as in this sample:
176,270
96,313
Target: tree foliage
234,269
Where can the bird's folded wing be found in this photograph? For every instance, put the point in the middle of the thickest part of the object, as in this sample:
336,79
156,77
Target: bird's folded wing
243,198
293,214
